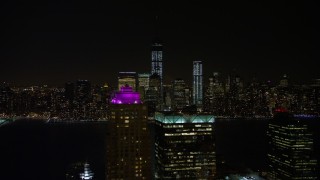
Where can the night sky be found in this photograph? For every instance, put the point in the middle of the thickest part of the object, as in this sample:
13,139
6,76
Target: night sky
53,42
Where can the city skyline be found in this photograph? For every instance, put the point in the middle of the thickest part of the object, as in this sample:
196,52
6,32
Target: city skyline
57,42
159,90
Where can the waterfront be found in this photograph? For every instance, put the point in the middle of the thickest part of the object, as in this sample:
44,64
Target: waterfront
34,149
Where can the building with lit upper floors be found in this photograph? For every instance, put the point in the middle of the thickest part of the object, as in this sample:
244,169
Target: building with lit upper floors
143,84
291,153
178,94
156,58
128,140
214,96
184,146
129,78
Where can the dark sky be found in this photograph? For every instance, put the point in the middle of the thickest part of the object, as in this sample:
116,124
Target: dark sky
52,42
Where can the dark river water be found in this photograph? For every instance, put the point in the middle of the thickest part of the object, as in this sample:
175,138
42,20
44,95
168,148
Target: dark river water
32,149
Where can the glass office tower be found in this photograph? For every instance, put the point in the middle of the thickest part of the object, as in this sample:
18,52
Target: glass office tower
184,146
291,148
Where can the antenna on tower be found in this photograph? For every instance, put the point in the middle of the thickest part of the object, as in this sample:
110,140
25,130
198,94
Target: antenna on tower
156,37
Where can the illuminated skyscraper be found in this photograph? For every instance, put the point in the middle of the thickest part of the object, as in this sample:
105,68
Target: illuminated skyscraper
156,63
143,84
143,80
178,96
214,96
291,148
156,59
184,146
87,174
128,141
129,78
197,84
79,170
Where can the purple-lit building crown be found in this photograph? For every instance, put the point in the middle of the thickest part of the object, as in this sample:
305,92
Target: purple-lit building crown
126,96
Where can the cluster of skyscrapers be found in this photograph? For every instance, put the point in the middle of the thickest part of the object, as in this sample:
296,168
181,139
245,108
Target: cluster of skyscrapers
184,138
229,97
159,96
183,144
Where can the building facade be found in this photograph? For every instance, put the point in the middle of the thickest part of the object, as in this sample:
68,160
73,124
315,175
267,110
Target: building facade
214,96
197,93
156,59
143,84
129,78
153,98
157,63
178,94
184,146
291,148
128,139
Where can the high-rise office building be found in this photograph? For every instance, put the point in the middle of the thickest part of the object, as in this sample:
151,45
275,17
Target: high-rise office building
197,84
83,91
129,78
291,148
167,97
188,95
178,95
184,146
214,96
143,84
128,140
143,80
153,94
156,58
82,99
156,63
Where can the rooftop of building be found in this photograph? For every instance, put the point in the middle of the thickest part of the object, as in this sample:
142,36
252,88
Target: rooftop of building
126,95
173,117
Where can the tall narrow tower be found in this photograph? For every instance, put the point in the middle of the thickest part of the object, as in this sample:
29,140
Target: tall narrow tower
156,58
156,64
197,83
